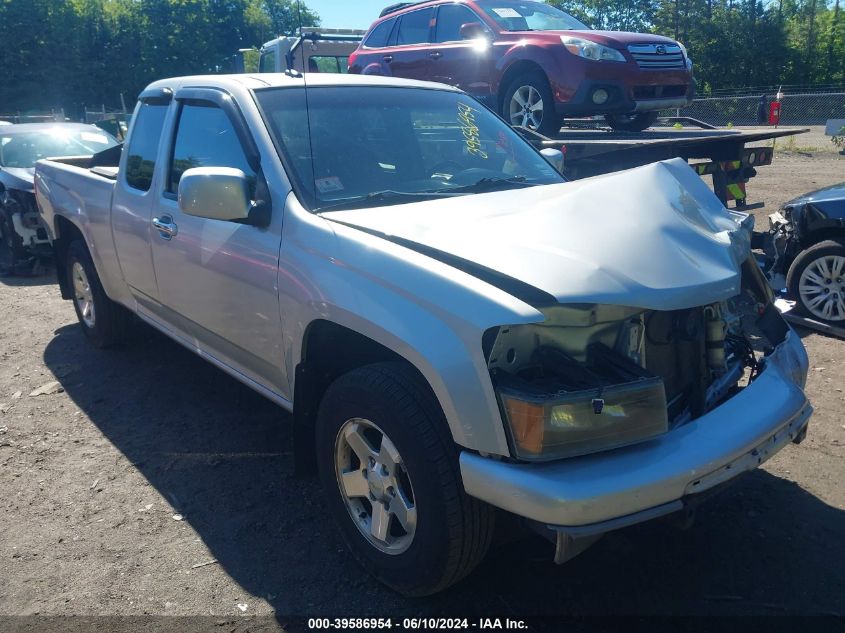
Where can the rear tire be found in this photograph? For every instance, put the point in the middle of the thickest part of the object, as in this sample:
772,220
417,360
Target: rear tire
528,102
434,533
12,251
104,322
631,122
816,280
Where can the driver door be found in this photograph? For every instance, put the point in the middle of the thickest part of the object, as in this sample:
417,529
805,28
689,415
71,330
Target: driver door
217,280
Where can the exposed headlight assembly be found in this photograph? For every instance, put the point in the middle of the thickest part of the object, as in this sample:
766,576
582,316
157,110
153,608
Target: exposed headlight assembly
574,384
584,422
591,50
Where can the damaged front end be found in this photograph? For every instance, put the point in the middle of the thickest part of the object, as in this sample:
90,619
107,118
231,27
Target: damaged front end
23,237
595,377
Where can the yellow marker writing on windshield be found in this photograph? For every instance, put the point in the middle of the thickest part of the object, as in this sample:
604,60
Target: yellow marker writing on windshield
466,117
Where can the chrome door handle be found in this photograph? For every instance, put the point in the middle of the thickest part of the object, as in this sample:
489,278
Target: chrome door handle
166,227
435,55
388,58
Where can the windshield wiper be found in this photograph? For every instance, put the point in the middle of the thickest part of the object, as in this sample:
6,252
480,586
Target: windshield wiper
493,183
389,196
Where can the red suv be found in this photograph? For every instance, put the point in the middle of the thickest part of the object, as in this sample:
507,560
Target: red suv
530,62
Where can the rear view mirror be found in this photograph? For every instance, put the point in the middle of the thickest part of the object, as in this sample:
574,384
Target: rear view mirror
554,157
472,31
216,193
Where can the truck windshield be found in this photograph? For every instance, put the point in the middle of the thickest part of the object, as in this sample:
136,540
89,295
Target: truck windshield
24,149
530,16
374,146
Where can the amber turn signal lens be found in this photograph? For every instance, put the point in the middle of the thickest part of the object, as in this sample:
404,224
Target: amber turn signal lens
527,421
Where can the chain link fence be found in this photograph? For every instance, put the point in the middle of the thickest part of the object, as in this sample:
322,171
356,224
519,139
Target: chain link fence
800,108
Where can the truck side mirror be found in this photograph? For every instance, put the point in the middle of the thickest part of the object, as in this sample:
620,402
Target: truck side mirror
472,31
554,157
216,193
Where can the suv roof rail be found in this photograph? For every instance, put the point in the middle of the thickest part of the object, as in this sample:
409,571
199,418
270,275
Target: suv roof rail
393,8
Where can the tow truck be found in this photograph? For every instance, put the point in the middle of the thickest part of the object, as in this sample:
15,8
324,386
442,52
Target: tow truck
724,154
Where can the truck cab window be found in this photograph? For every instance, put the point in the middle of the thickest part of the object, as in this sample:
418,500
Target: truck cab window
143,147
267,62
205,138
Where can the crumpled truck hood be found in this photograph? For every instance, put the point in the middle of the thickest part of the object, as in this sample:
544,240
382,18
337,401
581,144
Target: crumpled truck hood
653,237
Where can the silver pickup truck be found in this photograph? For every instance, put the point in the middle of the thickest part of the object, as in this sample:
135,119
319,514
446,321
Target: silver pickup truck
459,333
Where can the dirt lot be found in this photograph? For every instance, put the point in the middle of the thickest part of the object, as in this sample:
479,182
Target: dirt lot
151,462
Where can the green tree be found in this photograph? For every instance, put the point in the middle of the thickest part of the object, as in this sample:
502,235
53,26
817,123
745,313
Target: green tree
287,15
74,52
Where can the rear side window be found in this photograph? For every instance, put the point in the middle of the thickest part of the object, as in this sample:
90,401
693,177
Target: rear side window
205,138
378,36
414,27
143,146
450,18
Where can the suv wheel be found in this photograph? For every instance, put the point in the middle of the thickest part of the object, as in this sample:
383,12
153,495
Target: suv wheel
390,472
528,103
816,280
631,122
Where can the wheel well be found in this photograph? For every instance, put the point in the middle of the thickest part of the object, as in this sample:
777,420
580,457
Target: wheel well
820,235
809,240
65,233
329,350
517,68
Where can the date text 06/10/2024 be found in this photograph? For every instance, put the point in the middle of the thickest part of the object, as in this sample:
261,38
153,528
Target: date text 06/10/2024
416,624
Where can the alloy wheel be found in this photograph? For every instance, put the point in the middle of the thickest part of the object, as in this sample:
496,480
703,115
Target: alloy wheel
83,295
822,287
526,107
375,486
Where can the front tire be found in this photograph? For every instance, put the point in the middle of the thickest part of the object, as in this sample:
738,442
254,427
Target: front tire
103,321
816,280
528,103
390,473
631,122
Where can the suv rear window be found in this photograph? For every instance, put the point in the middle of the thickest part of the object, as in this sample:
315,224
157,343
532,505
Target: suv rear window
414,27
380,34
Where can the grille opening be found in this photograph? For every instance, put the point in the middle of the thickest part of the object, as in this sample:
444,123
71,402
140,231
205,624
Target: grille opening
658,56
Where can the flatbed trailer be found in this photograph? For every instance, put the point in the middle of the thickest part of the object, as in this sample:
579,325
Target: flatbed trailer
721,153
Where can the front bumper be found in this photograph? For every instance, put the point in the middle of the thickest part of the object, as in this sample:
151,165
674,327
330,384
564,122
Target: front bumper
622,97
604,491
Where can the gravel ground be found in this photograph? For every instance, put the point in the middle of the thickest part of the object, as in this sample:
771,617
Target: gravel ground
150,463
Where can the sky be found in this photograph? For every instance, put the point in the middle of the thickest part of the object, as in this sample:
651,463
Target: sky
348,14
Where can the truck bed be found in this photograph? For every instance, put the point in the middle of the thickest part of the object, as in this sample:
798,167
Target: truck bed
83,196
